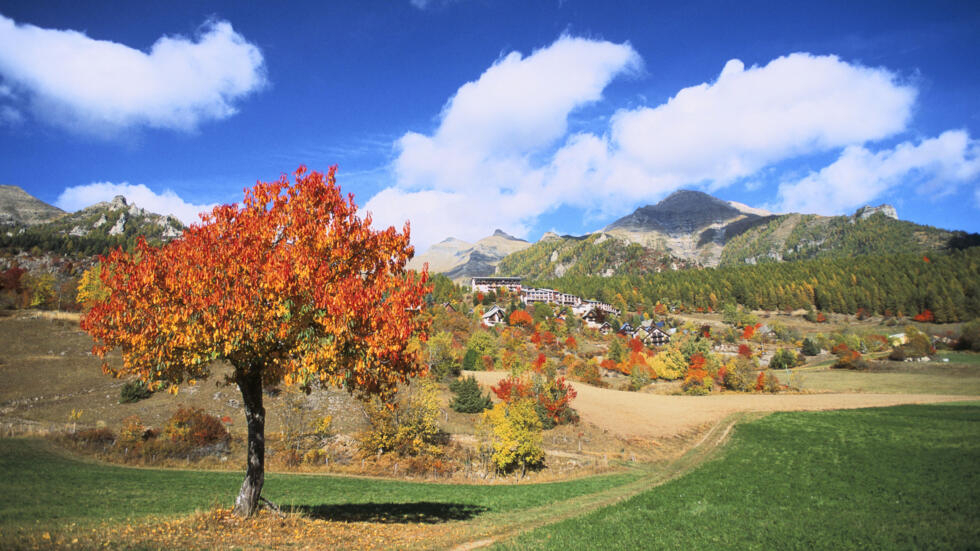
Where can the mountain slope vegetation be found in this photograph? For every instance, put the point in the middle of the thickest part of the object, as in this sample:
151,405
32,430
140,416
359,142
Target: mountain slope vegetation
947,285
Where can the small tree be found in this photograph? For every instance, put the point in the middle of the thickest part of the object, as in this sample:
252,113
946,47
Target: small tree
810,347
291,286
512,432
783,359
469,398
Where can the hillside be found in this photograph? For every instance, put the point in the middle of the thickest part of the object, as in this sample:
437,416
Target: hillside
20,208
92,230
802,236
460,260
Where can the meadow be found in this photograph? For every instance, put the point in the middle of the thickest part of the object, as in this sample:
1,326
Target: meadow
905,477
886,478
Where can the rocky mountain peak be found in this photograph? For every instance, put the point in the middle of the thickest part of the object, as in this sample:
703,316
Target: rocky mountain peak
118,202
868,211
501,233
682,212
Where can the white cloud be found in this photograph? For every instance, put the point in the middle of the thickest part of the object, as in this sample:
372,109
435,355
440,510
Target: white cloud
749,118
479,160
934,166
79,197
102,87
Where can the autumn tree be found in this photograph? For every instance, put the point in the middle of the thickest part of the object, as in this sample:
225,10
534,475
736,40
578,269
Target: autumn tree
289,287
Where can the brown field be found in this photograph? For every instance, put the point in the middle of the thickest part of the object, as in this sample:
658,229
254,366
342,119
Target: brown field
655,416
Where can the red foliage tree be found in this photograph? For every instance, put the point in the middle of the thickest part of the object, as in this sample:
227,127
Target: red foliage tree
521,318
749,331
539,362
548,339
571,343
635,345
925,315
745,351
760,382
291,286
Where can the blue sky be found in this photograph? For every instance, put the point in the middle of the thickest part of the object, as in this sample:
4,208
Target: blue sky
466,116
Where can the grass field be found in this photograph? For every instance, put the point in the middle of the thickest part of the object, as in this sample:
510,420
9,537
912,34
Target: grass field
889,478
959,375
905,477
53,489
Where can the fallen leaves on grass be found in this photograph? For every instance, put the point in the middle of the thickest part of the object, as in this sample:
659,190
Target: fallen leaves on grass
218,528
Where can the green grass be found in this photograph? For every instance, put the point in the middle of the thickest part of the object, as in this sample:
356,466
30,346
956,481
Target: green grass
42,487
968,358
905,477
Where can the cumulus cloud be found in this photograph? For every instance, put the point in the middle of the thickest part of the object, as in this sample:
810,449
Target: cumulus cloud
479,159
101,87
935,165
168,202
749,118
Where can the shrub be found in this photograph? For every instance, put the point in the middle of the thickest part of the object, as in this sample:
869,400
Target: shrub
738,374
697,383
810,347
551,395
409,429
321,426
783,359
471,360
195,427
132,431
93,437
586,372
512,436
443,361
847,358
897,354
771,383
969,336
134,391
469,398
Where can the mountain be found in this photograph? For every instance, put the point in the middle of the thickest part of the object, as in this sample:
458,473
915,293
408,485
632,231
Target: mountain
460,260
691,225
691,229
93,230
20,208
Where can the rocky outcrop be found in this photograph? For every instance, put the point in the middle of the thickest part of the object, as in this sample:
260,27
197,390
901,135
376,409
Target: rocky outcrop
868,211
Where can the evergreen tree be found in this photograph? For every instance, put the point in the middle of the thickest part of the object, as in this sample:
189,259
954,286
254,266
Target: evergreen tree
469,398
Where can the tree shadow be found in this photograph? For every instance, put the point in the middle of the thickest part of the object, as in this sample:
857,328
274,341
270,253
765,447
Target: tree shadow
393,513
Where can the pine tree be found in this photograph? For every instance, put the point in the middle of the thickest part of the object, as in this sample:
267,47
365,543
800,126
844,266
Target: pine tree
469,398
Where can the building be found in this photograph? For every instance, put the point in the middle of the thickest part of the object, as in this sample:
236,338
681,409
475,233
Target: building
487,284
493,316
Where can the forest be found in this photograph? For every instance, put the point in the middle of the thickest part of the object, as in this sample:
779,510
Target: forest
941,287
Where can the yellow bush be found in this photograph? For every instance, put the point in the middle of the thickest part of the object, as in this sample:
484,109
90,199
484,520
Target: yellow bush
513,434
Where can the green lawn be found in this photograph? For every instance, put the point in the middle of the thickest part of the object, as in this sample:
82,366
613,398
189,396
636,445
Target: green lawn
43,488
894,478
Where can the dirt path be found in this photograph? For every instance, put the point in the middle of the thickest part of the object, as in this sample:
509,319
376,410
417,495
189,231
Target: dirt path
504,526
636,414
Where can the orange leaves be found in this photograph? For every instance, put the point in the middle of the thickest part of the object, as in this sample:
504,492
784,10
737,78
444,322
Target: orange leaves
291,281
521,317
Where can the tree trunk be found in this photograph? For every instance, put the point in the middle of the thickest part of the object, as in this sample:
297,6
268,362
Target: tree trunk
250,383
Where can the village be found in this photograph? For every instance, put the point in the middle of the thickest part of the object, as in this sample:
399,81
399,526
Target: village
594,314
